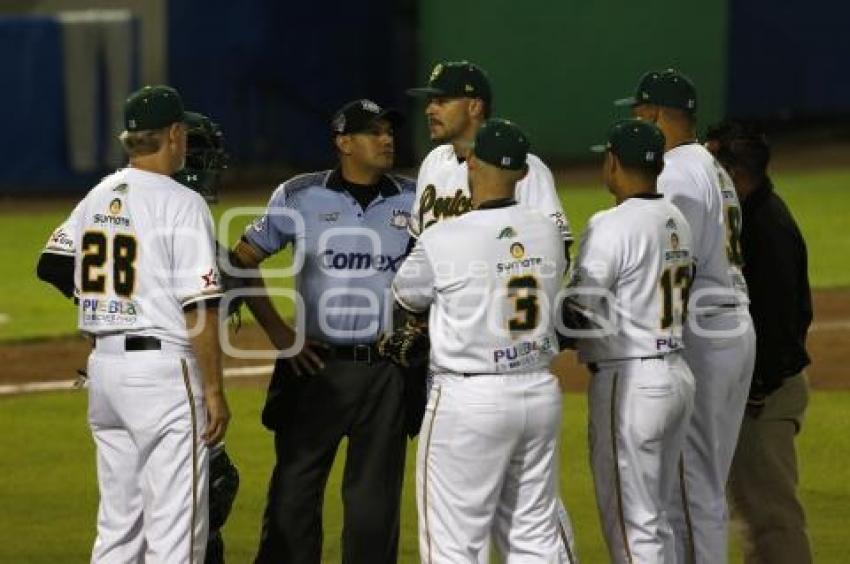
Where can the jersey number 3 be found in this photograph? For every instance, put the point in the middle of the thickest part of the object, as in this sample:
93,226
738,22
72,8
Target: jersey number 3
95,250
523,291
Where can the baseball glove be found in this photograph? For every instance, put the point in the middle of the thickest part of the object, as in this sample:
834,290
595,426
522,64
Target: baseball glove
408,345
224,484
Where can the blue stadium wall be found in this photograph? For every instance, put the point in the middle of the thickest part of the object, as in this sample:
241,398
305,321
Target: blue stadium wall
273,72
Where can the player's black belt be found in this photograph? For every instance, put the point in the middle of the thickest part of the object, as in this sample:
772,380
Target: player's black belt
366,353
140,343
594,367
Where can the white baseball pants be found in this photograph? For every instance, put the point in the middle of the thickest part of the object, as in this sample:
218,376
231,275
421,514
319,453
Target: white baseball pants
487,462
638,411
723,369
146,413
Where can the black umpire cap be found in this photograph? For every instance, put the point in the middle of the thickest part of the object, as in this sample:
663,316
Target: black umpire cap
359,115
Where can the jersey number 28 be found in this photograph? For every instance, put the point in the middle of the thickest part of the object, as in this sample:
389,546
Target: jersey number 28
95,250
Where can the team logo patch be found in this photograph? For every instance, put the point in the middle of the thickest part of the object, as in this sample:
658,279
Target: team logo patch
438,70
400,219
329,217
370,106
674,241
210,279
259,224
115,206
517,250
507,233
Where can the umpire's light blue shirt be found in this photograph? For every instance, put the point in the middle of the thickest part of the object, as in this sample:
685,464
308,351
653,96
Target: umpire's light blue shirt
351,255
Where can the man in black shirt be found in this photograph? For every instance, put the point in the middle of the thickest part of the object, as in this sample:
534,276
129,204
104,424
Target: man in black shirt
775,267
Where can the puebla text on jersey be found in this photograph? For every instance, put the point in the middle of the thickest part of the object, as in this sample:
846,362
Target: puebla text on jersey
350,254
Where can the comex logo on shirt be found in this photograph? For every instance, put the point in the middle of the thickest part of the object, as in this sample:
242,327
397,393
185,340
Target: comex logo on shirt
359,261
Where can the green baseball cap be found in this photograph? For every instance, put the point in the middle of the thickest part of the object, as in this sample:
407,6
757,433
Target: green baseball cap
153,107
456,79
635,143
501,143
668,88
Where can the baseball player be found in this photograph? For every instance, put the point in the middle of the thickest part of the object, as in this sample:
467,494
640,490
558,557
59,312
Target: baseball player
459,99
487,457
719,338
628,297
142,252
353,237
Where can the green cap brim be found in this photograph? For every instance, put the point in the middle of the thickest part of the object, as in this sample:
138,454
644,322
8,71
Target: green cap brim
598,148
425,92
630,101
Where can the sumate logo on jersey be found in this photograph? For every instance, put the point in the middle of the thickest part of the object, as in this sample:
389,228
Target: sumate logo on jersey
517,250
121,188
671,223
507,233
113,215
329,217
400,219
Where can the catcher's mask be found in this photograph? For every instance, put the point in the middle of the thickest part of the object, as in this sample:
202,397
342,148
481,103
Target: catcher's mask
205,157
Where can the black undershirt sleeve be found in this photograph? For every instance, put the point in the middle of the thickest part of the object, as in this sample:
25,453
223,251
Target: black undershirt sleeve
57,270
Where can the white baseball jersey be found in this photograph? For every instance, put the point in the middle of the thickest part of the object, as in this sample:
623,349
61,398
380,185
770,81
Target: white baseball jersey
442,191
721,354
695,182
631,280
144,249
493,295
492,421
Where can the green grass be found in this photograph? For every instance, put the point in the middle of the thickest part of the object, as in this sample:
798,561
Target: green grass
49,490
819,200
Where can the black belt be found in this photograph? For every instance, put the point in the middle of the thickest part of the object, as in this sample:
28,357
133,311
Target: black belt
366,353
135,343
594,367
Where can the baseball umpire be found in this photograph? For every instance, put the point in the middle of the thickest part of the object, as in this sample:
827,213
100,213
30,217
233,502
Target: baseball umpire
141,249
775,266
353,237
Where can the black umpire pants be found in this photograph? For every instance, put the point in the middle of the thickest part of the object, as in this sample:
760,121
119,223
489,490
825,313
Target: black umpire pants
309,416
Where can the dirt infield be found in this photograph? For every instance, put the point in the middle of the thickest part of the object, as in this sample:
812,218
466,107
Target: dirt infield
59,359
